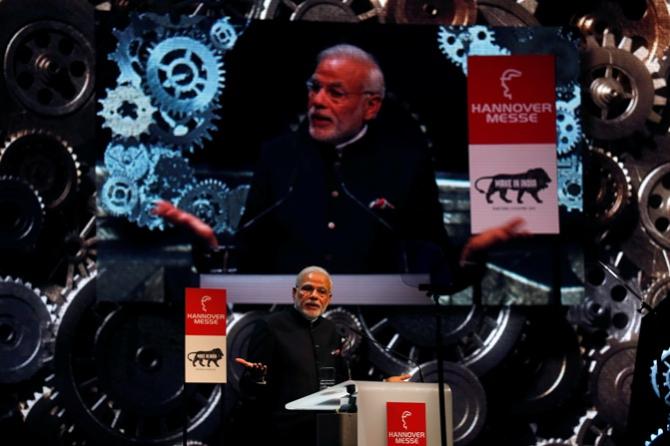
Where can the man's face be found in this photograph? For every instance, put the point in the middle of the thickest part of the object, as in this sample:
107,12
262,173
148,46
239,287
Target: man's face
338,103
312,295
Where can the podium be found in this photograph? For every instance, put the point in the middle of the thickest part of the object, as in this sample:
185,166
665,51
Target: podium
370,423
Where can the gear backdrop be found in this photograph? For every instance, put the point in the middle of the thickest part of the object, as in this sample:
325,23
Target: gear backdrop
138,88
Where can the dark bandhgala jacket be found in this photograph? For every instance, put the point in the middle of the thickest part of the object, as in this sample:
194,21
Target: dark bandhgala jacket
298,353
371,207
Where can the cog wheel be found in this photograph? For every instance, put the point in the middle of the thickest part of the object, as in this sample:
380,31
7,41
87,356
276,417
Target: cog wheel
47,422
168,176
651,26
238,335
657,291
609,307
174,22
119,196
184,132
184,75
129,161
49,67
624,90
568,124
505,13
660,376
130,52
323,10
608,187
659,438
459,12
349,328
570,189
26,330
223,34
654,205
468,398
145,216
123,389
593,430
45,161
612,369
459,43
478,337
22,216
127,111
207,201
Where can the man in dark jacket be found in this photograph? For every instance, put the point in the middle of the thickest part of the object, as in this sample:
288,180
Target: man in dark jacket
292,354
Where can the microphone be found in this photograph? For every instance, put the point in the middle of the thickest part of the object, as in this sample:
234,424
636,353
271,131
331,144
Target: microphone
342,331
340,182
251,222
347,192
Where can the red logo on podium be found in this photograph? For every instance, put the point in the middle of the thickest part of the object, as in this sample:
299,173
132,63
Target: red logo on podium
406,423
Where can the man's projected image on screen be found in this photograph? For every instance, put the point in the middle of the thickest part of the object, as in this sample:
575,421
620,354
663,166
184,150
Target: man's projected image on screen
344,190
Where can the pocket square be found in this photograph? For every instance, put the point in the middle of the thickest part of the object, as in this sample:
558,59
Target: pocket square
381,203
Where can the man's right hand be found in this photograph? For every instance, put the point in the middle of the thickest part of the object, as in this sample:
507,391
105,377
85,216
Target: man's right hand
258,370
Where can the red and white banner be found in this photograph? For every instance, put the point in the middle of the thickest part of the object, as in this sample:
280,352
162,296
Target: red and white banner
406,423
512,137
205,336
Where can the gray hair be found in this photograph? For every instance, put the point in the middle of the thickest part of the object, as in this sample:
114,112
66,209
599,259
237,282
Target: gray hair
375,81
313,269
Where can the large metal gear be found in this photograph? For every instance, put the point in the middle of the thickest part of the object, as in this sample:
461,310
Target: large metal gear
612,369
23,214
457,13
593,430
505,13
653,194
609,306
323,10
468,398
49,67
184,74
349,328
657,291
127,111
608,187
26,330
45,161
624,88
115,369
651,26
477,337
46,421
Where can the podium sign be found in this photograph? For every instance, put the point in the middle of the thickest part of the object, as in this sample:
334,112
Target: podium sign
205,336
512,142
405,423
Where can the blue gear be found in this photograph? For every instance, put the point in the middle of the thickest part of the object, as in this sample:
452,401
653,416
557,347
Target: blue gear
185,132
184,75
169,175
129,123
128,51
570,188
119,196
568,124
144,217
223,35
131,161
656,380
208,201
458,43
657,438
